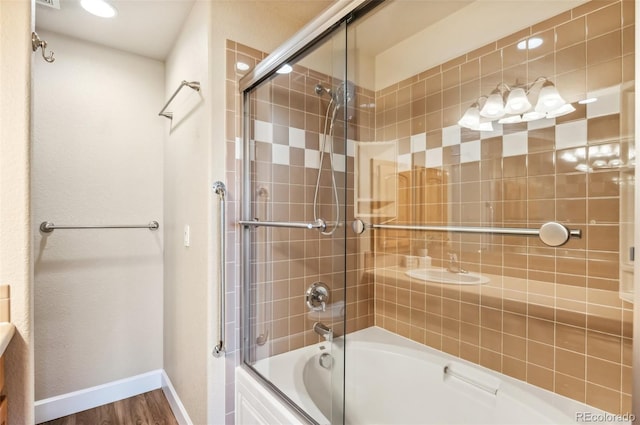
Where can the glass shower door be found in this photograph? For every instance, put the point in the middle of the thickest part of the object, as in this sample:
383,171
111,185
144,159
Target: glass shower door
294,233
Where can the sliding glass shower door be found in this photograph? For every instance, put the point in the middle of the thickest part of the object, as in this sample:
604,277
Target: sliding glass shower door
295,209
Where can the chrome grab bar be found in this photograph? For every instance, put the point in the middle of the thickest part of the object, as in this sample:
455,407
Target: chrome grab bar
551,233
318,224
195,85
49,227
218,351
475,383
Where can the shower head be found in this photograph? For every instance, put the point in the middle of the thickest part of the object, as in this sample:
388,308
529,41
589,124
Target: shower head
320,90
343,93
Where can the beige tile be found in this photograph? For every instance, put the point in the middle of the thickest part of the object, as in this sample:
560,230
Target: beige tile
540,376
571,210
481,51
515,368
571,185
590,7
602,238
570,33
514,346
572,58
547,46
603,398
601,129
570,363
570,386
540,354
572,338
603,346
470,352
604,74
490,359
451,78
604,20
541,67
540,330
514,38
514,324
491,63
604,373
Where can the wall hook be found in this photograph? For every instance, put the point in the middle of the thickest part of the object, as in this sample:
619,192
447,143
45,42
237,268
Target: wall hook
37,43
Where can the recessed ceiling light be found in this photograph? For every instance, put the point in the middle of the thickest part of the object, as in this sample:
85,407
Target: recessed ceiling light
99,8
285,69
589,100
241,66
530,43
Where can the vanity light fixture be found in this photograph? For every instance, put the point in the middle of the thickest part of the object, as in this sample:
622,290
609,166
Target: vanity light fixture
512,104
99,8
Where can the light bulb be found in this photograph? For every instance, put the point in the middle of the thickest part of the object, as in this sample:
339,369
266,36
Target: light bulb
513,119
517,102
494,106
565,109
471,117
549,99
532,116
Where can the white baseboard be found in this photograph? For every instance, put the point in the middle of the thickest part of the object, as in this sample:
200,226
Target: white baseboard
77,401
174,401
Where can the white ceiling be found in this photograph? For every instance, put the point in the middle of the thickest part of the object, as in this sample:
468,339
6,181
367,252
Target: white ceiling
145,27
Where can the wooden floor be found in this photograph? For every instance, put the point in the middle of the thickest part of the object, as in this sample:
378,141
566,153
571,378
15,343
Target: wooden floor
150,408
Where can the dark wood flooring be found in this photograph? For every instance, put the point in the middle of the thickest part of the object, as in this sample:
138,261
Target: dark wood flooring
150,408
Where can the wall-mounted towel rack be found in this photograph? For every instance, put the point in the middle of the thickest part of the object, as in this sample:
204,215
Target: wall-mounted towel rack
195,85
550,233
48,227
317,224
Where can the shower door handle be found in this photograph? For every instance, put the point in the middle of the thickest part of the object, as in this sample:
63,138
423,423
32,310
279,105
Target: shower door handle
218,351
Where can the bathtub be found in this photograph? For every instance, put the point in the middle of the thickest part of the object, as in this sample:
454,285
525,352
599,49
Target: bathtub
392,380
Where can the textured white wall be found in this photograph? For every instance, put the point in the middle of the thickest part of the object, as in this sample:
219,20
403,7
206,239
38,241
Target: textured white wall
16,20
97,159
195,158
187,201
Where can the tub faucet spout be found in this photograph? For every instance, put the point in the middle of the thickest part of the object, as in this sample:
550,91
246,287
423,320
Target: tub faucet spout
323,330
454,264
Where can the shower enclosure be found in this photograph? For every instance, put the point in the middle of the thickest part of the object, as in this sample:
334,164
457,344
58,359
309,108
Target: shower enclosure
440,173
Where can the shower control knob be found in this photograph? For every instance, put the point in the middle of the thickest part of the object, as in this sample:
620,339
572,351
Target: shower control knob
317,296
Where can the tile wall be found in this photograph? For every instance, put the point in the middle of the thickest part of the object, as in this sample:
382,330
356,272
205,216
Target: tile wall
287,139
550,316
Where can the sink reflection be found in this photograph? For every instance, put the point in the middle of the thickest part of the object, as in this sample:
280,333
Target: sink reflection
445,276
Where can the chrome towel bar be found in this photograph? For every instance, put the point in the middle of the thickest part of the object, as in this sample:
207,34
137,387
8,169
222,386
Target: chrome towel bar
218,351
318,224
551,233
48,227
195,85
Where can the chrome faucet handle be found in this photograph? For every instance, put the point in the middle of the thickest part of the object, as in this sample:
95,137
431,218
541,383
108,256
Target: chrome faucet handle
317,296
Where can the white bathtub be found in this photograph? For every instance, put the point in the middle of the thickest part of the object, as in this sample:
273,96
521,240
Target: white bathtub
392,380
